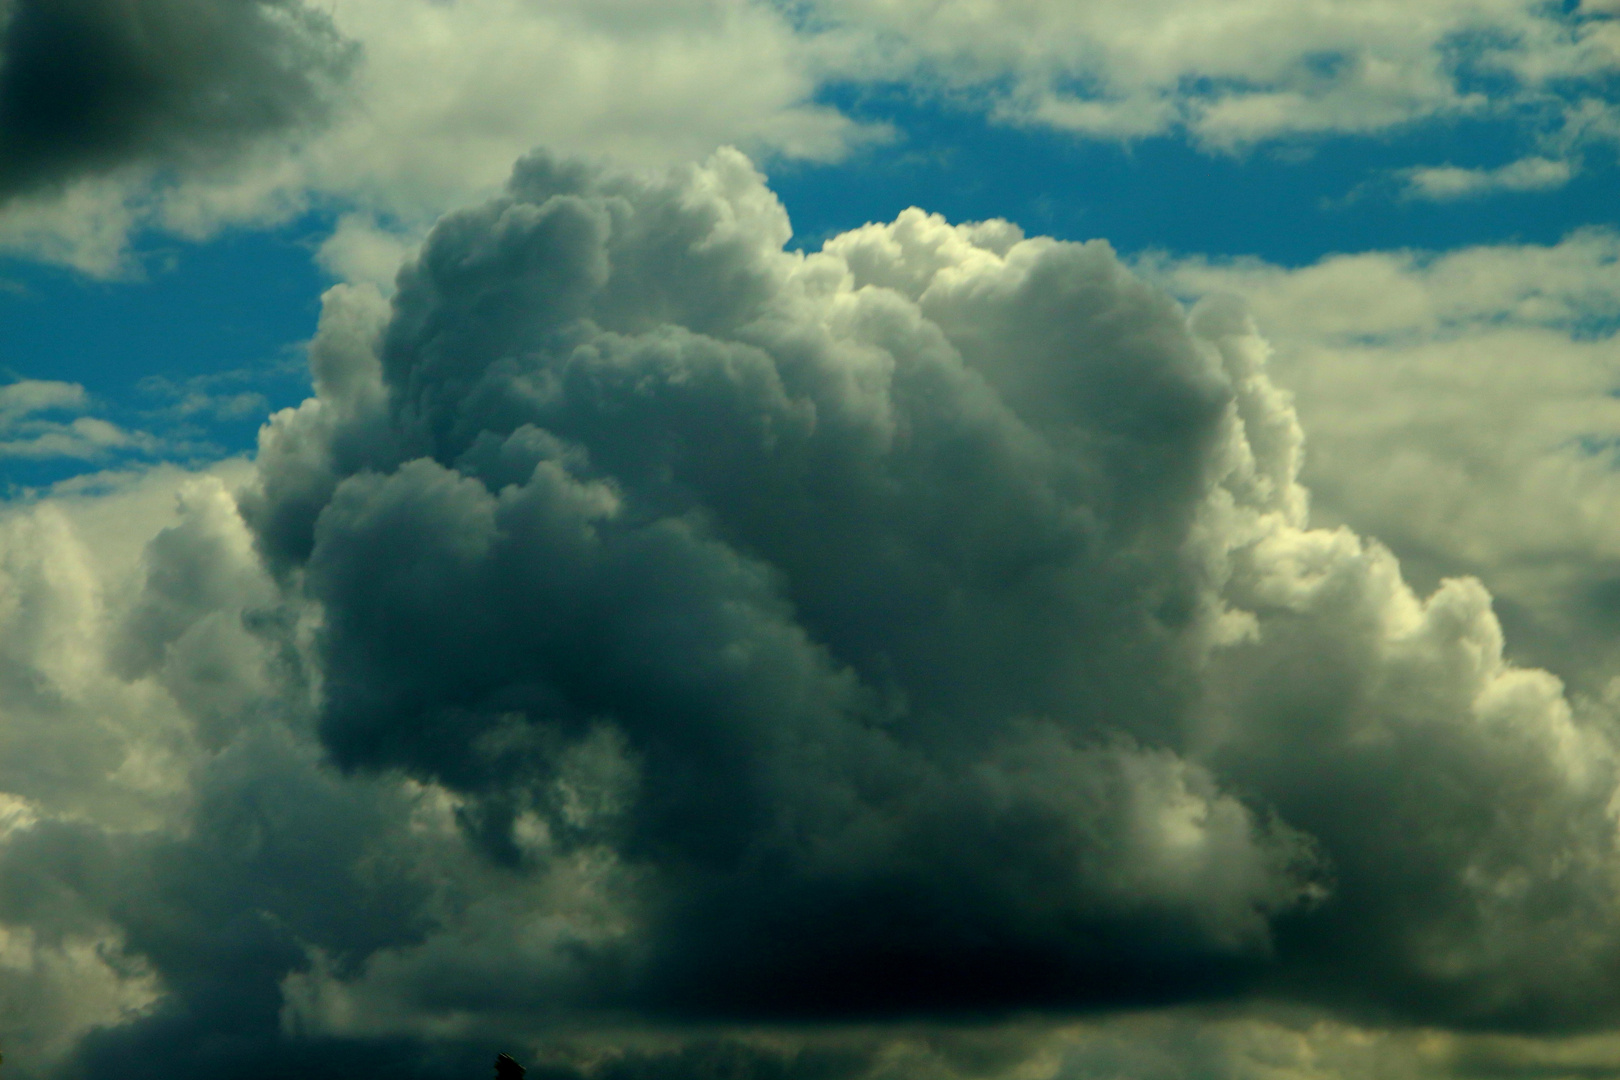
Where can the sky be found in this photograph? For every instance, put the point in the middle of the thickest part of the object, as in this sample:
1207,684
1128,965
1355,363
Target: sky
810,539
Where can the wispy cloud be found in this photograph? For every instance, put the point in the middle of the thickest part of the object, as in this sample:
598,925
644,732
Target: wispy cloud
214,396
43,419
28,396
1445,183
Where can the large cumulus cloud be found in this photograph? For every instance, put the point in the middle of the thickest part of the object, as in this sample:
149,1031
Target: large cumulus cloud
875,628
678,656
946,601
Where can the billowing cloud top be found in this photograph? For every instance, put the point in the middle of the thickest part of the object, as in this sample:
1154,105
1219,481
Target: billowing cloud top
646,624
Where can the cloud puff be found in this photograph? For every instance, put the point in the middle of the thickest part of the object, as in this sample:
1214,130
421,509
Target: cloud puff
1461,408
88,87
647,637
1445,182
172,842
28,428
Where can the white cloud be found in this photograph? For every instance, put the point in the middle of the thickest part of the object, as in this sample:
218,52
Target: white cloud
443,96
1462,407
362,251
27,396
86,438
450,94
1231,74
1446,182
24,433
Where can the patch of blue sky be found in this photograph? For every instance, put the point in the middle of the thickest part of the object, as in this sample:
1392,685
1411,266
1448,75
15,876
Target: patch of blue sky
185,359
1289,202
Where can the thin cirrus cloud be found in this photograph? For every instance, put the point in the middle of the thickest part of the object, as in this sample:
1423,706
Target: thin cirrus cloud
398,110
669,654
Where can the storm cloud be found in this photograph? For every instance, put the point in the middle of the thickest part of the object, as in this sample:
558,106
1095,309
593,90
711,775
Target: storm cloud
941,611
670,654
855,636
91,86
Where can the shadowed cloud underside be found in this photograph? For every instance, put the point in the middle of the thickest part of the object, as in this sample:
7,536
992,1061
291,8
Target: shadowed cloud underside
646,630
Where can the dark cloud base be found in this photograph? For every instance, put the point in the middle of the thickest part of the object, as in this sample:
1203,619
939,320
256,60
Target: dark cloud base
89,86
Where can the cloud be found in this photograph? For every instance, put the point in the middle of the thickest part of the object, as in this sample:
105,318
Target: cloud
217,396
27,396
1461,408
455,93
1447,182
670,655
89,87
182,115
397,110
172,839
394,110
605,564
24,433
940,532
1230,75
45,420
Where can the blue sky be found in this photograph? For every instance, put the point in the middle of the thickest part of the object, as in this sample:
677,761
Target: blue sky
139,348
1290,203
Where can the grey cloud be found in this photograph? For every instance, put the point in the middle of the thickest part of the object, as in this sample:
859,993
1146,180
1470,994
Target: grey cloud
649,632
172,843
89,86
944,588
889,599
